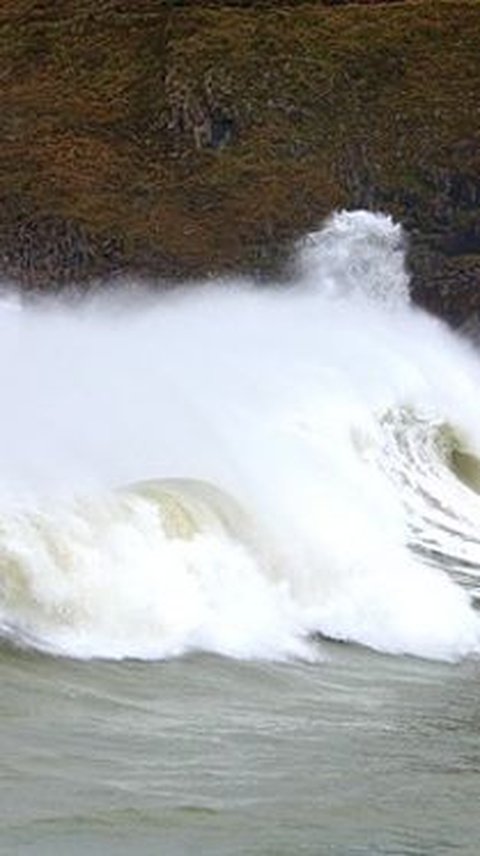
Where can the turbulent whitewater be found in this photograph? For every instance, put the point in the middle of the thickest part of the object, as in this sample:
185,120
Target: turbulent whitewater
243,470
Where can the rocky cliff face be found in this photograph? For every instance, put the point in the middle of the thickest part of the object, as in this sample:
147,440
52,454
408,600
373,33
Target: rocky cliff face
182,139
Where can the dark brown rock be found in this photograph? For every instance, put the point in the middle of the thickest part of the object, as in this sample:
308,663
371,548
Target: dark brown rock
176,140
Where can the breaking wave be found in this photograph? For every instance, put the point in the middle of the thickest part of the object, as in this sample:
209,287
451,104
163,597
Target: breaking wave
243,470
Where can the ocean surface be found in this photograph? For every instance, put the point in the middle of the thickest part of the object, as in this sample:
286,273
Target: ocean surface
240,566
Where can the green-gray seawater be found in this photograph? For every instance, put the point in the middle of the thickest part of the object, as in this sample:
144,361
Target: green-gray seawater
359,754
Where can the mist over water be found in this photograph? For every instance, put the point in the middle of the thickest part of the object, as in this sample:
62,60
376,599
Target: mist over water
239,470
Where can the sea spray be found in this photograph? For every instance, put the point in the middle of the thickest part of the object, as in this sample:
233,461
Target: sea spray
356,253
306,409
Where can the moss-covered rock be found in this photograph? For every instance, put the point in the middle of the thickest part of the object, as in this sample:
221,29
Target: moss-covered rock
180,139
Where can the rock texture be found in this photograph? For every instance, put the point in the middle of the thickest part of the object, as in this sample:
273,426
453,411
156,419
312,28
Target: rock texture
185,139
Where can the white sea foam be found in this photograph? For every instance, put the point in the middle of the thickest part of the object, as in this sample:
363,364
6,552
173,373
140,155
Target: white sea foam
307,436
